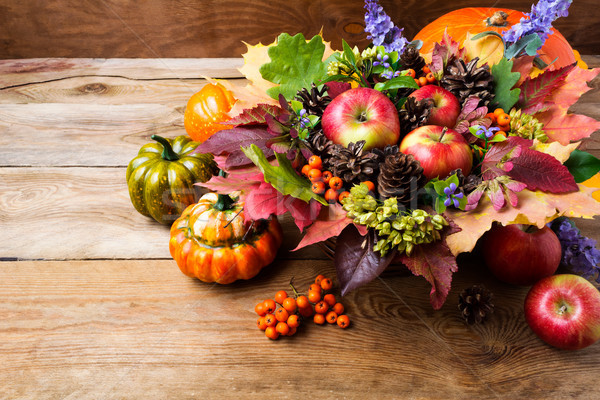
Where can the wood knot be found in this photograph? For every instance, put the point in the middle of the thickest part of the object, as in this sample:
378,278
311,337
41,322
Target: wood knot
354,28
94,88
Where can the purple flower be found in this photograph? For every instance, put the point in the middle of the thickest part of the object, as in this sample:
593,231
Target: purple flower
539,21
578,252
381,29
488,132
452,198
382,60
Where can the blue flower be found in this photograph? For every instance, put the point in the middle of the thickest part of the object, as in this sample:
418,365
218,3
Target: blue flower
539,21
452,198
381,29
304,121
578,252
382,60
488,132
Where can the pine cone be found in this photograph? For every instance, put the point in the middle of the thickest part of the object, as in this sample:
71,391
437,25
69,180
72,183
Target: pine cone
315,100
319,145
352,165
414,114
475,304
387,151
401,176
411,58
464,80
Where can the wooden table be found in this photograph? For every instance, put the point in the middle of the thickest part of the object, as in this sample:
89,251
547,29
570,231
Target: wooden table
93,307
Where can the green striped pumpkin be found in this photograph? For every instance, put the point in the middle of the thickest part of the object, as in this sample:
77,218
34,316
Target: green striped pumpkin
161,178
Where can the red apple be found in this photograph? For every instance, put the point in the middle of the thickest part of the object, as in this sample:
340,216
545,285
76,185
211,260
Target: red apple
439,150
564,311
361,114
446,107
521,254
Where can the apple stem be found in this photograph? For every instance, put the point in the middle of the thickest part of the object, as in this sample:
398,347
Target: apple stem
443,133
562,309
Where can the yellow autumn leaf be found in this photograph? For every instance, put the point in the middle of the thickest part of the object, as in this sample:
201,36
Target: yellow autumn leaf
489,49
594,182
535,208
555,149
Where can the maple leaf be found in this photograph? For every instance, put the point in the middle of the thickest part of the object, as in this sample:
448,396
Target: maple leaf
555,149
535,208
535,90
436,263
256,115
565,128
330,223
572,87
444,53
262,201
246,96
304,213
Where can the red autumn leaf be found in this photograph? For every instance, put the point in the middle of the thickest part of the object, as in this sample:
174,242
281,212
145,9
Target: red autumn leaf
566,128
263,201
303,213
523,65
337,88
572,87
436,264
497,160
330,223
256,115
445,51
541,171
535,90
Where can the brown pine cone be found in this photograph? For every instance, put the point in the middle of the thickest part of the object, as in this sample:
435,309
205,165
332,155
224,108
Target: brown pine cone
401,176
414,114
464,80
314,100
352,164
411,58
475,304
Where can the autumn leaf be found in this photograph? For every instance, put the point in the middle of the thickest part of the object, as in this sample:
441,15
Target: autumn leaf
436,264
256,115
444,52
330,223
535,90
555,149
572,87
566,128
535,208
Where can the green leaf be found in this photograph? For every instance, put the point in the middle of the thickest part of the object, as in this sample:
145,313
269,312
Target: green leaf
504,80
283,177
348,53
295,64
530,44
397,83
582,165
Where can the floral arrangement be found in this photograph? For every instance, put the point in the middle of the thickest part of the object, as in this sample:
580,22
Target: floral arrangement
376,181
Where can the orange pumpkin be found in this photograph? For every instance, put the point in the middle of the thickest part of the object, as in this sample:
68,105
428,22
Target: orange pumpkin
212,242
206,110
481,19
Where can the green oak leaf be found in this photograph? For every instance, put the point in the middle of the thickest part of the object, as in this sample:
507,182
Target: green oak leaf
504,80
283,177
582,165
295,64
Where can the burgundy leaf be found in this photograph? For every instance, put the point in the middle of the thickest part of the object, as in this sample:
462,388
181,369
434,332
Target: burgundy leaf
237,158
230,140
535,90
256,115
334,89
497,160
436,263
303,213
540,171
355,261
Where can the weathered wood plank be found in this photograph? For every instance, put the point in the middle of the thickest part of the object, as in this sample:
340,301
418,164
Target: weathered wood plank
217,28
141,329
85,213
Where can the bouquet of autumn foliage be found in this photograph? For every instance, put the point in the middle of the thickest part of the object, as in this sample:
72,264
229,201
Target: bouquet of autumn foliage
372,181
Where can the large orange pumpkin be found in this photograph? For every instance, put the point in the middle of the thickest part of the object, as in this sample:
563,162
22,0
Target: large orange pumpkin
481,19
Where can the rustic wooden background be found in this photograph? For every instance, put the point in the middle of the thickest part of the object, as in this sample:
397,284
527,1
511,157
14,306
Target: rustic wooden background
216,28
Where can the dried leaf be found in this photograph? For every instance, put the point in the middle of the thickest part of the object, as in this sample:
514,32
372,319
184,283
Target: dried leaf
566,128
444,52
555,149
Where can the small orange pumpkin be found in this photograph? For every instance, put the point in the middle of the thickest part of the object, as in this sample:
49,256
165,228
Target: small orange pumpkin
212,242
481,19
206,110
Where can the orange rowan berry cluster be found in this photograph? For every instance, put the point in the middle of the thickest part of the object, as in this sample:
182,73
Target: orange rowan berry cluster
500,119
323,182
282,315
426,78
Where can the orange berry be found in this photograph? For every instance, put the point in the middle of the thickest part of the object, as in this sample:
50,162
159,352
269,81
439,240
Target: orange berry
426,69
262,324
306,169
343,321
271,333
343,195
336,183
411,72
281,314
329,299
321,307
293,321
370,185
422,81
315,162
306,312
290,305
314,296
503,119
331,195
504,128
430,78
491,116
270,320
319,319
318,187
280,296
417,82
498,112
319,278
282,328
315,175
315,287
302,302
292,331
326,284
260,309
269,306
326,176
338,308
331,317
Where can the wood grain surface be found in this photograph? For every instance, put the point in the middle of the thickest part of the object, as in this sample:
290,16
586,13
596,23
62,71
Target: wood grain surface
217,28
93,307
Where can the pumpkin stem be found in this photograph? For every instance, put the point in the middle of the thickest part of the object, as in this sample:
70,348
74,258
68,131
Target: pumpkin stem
498,19
168,152
224,202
